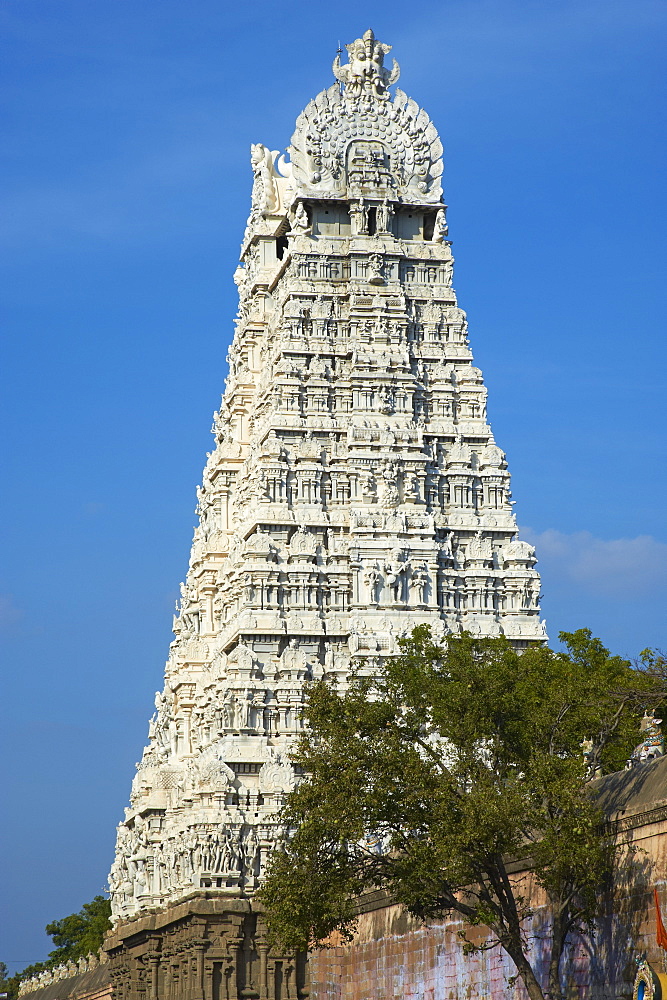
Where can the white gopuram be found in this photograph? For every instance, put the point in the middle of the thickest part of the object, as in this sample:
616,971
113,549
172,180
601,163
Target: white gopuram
354,492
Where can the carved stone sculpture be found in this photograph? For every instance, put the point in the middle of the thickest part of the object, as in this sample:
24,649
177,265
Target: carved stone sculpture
365,72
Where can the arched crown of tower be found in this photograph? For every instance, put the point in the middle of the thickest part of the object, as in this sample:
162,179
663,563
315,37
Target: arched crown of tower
354,141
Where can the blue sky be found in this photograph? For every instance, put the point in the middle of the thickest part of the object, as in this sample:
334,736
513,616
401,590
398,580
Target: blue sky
124,193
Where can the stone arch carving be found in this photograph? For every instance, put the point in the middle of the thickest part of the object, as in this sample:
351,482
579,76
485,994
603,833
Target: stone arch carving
333,123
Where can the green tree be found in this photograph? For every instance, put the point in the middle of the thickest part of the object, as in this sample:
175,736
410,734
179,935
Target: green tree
80,933
75,936
6,984
429,779
9,985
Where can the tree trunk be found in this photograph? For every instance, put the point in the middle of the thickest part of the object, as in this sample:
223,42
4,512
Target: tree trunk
554,976
557,943
554,990
529,980
524,969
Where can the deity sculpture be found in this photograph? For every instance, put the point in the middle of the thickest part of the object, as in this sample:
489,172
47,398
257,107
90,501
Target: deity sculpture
300,222
365,74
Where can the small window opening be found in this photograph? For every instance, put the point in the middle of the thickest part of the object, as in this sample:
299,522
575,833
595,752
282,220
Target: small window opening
372,221
429,226
281,247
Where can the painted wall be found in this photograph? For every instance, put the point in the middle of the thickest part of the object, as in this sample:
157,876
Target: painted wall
392,956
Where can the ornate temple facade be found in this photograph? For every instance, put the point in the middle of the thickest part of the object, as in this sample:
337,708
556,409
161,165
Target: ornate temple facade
355,489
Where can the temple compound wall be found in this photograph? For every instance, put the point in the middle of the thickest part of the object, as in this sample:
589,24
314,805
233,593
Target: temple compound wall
393,955
208,948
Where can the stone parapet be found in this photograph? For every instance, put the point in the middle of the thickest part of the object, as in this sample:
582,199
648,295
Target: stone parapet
210,946
62,983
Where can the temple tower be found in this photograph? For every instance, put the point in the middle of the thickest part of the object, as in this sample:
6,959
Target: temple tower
355,491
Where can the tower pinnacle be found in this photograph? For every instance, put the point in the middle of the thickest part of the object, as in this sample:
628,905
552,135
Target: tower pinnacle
365,74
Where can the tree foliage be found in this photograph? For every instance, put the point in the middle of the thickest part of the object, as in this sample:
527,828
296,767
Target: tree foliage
6,982
75,936
81,933
428,779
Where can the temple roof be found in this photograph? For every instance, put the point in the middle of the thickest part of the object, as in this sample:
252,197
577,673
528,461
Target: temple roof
639,789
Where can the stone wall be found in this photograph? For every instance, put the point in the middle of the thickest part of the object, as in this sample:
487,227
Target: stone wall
92,985
208,946
394,956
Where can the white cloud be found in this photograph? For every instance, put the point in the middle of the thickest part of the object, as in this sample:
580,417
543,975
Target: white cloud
621,566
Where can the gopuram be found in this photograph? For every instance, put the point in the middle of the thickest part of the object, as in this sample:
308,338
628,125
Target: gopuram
355,491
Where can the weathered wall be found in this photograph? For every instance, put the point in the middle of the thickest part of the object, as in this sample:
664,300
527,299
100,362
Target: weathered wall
92,985
393,956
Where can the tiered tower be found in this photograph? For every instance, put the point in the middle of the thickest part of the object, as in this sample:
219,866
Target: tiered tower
354,492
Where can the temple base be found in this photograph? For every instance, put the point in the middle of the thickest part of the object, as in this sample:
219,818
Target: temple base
209,946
